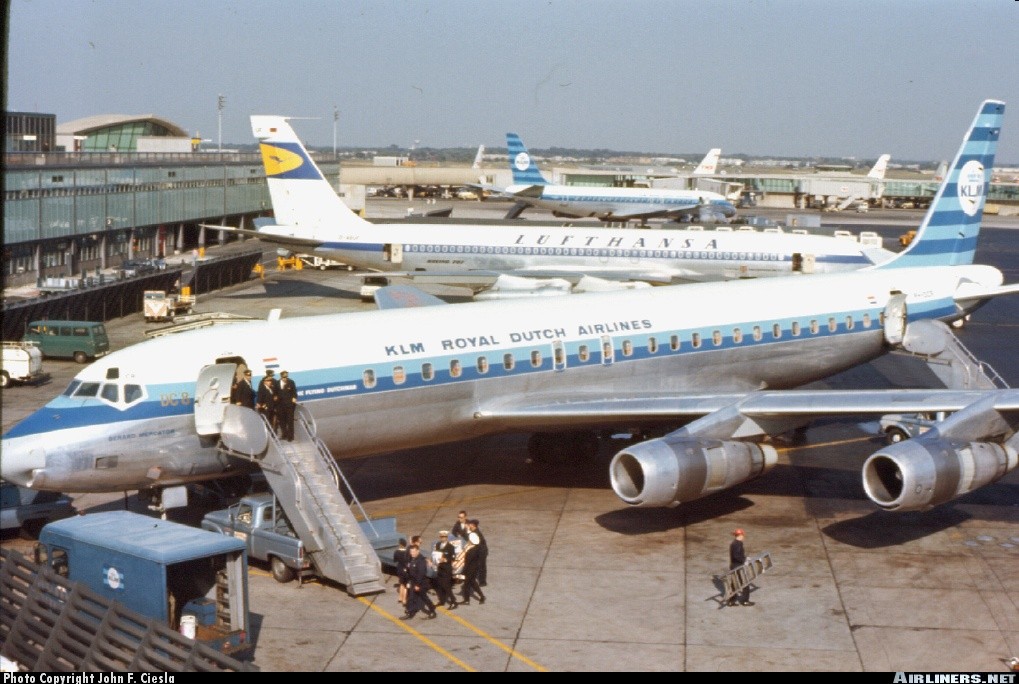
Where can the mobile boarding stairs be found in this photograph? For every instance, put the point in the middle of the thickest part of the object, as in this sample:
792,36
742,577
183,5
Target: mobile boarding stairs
307,482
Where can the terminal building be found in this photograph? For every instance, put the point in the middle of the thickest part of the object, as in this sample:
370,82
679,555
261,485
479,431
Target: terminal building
91,193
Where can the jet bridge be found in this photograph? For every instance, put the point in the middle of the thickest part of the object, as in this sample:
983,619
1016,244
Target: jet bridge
308,484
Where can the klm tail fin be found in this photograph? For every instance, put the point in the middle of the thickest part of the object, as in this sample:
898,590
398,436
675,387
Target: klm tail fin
525,171
948,234
301,196
880,166
708,165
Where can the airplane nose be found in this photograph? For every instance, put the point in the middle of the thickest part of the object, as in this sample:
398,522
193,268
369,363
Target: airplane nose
21,458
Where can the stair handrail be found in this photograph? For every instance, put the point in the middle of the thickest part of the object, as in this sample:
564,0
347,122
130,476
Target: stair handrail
326,457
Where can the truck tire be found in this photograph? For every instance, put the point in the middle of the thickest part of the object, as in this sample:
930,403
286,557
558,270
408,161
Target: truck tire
5,379
80,357
280,572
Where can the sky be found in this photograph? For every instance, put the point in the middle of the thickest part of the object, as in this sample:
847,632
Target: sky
784,78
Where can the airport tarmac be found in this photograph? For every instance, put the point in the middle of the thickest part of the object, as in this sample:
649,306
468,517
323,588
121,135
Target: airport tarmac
578,581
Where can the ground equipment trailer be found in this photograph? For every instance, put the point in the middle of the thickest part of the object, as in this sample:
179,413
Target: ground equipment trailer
192,580
22,362
163,306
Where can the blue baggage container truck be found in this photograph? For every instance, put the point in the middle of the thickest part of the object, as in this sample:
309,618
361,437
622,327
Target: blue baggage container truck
194,580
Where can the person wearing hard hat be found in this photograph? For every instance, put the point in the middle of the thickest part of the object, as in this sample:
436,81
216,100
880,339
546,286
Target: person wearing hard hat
737,558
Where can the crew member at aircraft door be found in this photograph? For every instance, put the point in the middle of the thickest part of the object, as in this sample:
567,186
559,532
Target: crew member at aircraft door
242,393
267,400
286,406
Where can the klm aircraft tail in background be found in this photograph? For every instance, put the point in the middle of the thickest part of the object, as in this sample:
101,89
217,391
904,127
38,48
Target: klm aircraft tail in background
948,233
525,171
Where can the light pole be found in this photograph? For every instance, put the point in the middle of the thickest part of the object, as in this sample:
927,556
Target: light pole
336,119
220,101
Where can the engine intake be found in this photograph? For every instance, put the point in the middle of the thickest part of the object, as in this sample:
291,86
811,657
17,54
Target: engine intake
664,472
921,473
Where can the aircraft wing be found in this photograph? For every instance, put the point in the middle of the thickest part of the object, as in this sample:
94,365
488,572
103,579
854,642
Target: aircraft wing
968,293
289,241
481,279
532,191
404,297
768,411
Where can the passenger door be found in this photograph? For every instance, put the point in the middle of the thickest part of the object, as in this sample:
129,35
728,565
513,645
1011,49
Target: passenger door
212,394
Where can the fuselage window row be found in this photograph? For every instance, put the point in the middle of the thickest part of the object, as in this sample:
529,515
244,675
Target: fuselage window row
593,252
110,392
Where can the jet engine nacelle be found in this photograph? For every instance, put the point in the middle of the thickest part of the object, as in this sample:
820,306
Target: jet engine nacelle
664,472
921,473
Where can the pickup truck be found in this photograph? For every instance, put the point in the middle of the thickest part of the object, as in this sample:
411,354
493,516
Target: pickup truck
259,521
27,510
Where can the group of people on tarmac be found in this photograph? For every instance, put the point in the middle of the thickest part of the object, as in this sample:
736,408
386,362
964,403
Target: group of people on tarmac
458,555
274,399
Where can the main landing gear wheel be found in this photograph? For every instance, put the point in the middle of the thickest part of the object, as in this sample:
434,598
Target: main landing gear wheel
559,447
895,435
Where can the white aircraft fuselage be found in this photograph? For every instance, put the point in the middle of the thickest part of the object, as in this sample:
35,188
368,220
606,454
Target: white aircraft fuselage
380,381
608,203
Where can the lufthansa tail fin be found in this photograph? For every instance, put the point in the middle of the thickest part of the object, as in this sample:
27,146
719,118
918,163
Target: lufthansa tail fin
708,165
948,234
525,171
880,166
302,198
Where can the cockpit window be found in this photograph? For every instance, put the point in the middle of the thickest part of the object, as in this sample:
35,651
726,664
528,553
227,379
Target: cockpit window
87,389
70,388
132,393
110,392
112,373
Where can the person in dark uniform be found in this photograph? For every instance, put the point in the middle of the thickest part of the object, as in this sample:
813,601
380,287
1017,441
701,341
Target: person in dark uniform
400,558
286,406
472,526
737,558
241,392
471,559
443,559
417,575
267,399
459,528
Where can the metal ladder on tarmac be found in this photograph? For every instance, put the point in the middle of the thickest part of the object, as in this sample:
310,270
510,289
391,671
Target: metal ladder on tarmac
306,480
735,580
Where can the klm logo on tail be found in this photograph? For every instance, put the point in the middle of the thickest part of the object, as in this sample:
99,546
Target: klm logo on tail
287,161
971,187
525,171
948,234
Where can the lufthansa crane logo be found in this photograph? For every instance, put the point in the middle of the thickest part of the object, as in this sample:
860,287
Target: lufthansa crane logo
278,160
971,186
522,161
